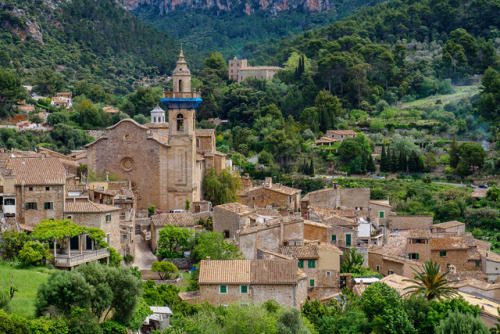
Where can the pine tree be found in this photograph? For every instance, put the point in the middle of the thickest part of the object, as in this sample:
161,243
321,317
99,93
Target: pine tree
454,154
383,160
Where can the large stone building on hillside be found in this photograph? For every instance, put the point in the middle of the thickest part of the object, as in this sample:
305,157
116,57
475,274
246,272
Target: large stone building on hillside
164,161
239,71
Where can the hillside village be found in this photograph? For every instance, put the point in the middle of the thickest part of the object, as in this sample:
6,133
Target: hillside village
288,247
249,168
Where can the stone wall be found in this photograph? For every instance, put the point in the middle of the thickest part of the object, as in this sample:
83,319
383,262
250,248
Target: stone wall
269,238
354,198
211,293
458,258
39,195
181,263
417,222
315,232
263,197
225,220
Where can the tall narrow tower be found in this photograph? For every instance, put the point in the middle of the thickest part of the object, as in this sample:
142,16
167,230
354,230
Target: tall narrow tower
183,179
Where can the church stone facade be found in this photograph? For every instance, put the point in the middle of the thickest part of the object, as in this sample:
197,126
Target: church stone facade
164,161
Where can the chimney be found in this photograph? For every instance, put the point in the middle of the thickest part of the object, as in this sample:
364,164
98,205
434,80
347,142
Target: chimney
208,258
268,183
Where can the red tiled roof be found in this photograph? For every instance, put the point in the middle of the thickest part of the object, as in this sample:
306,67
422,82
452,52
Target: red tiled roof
38,170
88,207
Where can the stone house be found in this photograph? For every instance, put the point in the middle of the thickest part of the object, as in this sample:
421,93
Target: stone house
336,198
272,195
230,217
178,219
165,162
90,214
270,236
252,282
340,135
39,189
459,251
490,261
321,263
315,231
382,210
449,227
328,198
341,231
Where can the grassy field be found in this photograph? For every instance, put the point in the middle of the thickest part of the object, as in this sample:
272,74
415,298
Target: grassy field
185,281
461,92
27,281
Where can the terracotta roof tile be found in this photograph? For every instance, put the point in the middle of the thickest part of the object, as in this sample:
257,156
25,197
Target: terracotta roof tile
87,207
419,234
381,203
235,208
248,271
205,132
234,271
448,224
342,132
450,242
300,252
176,219
38,170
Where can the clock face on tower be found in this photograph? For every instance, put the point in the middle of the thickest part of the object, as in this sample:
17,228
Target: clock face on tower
127,164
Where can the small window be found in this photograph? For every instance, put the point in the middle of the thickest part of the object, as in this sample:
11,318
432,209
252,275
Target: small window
334,238
413,256
180,122
197,142
301,263
48,206
244,289
442,253
31,206
69,217
311,263
108,218
390,272
311,282
381,214
328,274
47,188
30,188
9,201
478,263
223,289
378,268
226,234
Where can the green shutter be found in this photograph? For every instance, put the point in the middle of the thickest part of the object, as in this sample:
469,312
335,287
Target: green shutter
301,263
348,240
223,289
244,289
409,256
311,264
381,214
334,237
418,257
27,206
36,206
311,282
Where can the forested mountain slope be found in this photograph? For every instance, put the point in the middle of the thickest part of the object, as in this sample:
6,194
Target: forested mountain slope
238,27
99,41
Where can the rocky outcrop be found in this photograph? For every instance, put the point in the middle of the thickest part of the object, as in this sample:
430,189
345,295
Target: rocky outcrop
167,6
19,24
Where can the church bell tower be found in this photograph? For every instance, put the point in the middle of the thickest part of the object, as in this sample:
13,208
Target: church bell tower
182,103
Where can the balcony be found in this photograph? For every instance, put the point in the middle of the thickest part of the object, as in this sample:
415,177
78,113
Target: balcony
181,95
77,258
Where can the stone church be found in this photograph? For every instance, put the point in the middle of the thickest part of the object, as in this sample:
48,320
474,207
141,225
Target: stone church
164,161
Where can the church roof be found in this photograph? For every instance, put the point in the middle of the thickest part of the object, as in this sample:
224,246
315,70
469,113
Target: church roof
157,109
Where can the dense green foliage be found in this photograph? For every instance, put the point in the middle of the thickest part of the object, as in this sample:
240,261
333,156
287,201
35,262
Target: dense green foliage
233,32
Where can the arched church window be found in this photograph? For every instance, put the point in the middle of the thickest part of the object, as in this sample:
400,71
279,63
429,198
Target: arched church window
180,85
180,122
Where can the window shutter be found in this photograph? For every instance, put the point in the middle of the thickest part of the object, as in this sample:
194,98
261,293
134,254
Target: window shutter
27,206
409,256
36,207
417,256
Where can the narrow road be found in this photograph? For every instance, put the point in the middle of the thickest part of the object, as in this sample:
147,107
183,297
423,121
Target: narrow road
144,258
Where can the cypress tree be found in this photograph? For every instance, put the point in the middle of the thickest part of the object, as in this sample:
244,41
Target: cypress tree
413,162
383,160
402,162
370,167
394,161
454,154
311,168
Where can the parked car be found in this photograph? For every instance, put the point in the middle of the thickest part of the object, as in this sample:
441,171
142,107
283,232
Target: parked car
471,186
483,186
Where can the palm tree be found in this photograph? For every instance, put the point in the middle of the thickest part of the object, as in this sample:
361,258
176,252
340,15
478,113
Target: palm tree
352,261
430,282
